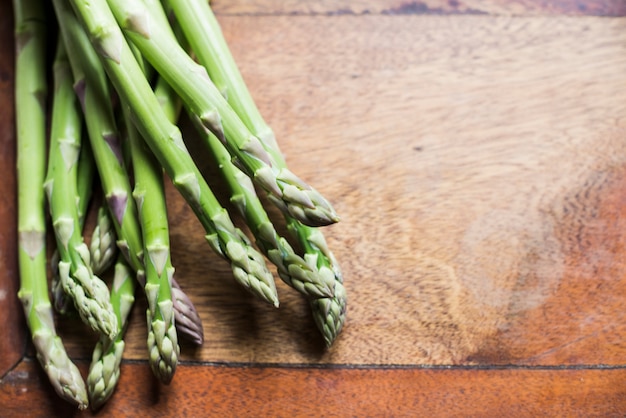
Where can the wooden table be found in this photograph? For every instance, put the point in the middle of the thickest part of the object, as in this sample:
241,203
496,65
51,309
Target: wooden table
476,151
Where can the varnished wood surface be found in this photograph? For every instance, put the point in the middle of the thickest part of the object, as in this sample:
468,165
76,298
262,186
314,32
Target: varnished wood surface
12,348
476,152
426,7
252,391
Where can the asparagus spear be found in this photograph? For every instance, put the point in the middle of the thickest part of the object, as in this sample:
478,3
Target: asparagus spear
89,293
287,191
92,86
185,320
291,267
93,90
30,96
150,197
205,36
104,371
165,141
84,187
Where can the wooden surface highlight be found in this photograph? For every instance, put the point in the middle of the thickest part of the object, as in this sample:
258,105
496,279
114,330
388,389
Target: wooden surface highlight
476,152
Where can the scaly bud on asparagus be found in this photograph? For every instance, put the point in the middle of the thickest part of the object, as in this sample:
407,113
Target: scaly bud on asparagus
102,247
104,371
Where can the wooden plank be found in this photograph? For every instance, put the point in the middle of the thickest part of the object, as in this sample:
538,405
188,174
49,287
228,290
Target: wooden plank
11,349
340,392
423,7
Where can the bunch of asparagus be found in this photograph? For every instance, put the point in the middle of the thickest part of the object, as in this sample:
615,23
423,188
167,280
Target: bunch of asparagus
124,70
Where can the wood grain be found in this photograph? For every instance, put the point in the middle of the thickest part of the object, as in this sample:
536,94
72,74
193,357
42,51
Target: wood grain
424,7
11,349
337,392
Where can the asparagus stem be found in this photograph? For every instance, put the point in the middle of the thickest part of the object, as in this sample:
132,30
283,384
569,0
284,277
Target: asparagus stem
190,80
165,141
89,293
30,95
104,371
84,188
92,86
86,171
208,43
187,320
93,90
150,197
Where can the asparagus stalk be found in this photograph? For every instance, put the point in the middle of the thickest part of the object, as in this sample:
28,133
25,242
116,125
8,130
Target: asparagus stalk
93,90
86,171
291,267
30,96
84,188
150,197
286,190
165,141
185,320
205,36
89,293
103,247
104,371
92,86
